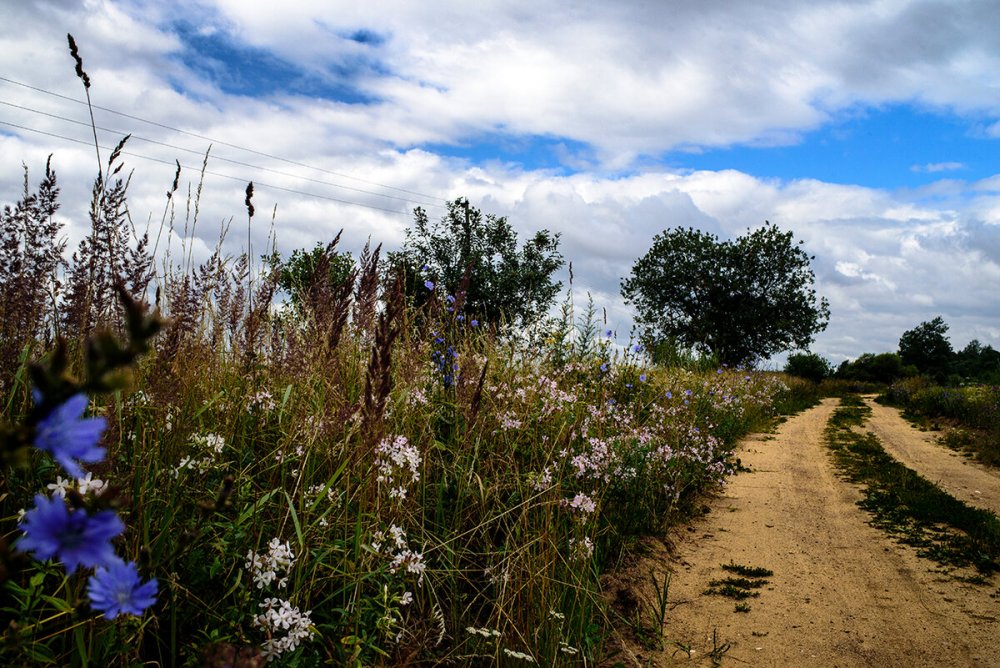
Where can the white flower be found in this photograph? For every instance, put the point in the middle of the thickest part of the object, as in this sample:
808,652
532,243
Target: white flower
518,655
91,484
280,616
61,486
265,568
393,458
581,550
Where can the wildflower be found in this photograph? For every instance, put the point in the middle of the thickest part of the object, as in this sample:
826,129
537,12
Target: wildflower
429,285
117,590
450,299
266,566
604,367
670,395
642,378
90,484
637,348
484,632
68,436
608,334
78,539
61,486
392,457
582,503
518,655
407,598
278,616
474,323
581,550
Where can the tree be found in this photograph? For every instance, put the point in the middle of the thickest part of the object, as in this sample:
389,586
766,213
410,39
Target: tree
741,300
504,285
978,362
809,366
870,368
927,348
297,274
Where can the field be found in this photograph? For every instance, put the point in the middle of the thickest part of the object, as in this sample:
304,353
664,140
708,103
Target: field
350,480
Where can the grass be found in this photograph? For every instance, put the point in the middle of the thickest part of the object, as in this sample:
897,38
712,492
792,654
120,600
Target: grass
458,512
907,505
972,412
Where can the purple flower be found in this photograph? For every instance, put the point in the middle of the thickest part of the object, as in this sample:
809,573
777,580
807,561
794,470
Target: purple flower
76,538
608,333
116,590
474,323
68,436
450,299
637,347
642,378
429,285
670,395
604,368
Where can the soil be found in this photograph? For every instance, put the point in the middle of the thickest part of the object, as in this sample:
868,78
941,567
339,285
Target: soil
842,592
960,476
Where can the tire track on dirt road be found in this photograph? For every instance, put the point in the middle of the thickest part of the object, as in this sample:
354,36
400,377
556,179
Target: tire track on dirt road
842,593
955,474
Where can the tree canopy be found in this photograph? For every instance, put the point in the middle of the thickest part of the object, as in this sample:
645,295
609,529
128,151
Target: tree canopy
741,300
504,285
298,273
926,347
809,366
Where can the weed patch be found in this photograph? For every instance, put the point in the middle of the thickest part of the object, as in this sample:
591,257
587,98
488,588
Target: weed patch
742,585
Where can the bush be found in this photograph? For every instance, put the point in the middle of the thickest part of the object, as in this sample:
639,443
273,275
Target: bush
809,366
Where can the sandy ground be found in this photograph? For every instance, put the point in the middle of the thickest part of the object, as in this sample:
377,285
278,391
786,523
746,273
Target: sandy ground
842,593
960,476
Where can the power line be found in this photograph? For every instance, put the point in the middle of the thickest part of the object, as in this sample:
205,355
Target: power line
238,179
121,133
218,141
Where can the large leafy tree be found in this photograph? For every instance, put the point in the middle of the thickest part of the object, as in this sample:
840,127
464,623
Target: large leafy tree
926,347
466,250
741,301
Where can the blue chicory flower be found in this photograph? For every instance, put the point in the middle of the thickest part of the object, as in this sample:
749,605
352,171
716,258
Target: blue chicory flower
637,348
117,590
642,378
608,333
68,436
75,537
429,285
450,299
604,368
474,323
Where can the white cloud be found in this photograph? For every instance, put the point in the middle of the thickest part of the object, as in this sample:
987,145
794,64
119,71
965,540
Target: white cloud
934,167
623,79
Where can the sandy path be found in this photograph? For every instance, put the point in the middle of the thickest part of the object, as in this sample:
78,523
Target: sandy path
842,594
949,470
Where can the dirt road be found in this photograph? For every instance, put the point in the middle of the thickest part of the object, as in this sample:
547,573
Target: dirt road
959,476
842,593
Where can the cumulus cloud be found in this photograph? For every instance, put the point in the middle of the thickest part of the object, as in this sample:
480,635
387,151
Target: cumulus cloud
613,83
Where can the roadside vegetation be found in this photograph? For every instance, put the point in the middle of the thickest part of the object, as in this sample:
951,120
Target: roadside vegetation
322,459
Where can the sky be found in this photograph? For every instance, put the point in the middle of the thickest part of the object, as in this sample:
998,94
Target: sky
870,129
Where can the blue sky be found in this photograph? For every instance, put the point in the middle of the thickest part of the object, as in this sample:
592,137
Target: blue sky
870,129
